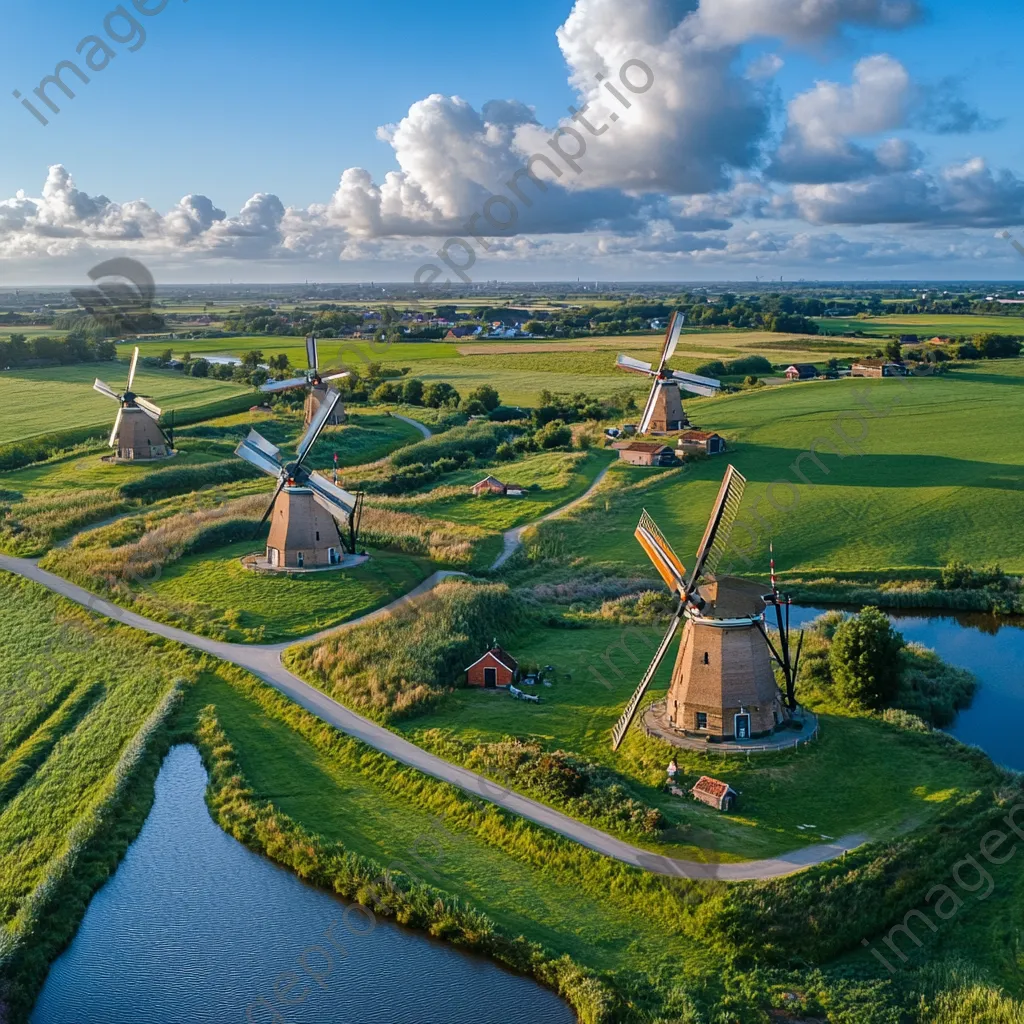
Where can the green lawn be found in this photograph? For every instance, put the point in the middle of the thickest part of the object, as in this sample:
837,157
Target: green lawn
861,776
34,402
940,477
559,476
214,594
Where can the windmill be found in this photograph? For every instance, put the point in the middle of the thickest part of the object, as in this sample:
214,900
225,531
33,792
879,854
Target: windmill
788,662
303,531
723,684
664,409
317,384
136,434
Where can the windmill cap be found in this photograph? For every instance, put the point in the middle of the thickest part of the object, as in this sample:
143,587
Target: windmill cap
730,597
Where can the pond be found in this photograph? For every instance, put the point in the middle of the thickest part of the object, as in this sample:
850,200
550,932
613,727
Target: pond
195,927
991,648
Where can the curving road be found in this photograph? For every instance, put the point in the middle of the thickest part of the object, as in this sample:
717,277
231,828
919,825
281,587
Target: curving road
513,537
265,661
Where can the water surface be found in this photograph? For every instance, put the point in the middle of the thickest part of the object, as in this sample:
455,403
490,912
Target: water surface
196,928
993,649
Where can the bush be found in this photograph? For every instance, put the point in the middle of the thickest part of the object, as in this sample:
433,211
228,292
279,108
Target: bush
412,392
389,391
440,393
748,364
865,659
487,396
555,435
957,575
505,452
715,369
505,413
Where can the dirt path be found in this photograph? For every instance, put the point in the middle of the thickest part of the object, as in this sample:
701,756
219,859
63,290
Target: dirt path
512,537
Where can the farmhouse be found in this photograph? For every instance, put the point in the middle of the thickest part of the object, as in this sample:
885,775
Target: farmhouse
462,332
701,441
492,485
714,793
646,453
877,368
801,371
495,668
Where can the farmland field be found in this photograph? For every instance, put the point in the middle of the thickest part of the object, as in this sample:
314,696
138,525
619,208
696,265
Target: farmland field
905,493
925,325
34,402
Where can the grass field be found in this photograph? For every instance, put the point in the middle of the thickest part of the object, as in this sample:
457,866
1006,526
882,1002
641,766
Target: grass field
214,593
34,402
559,476
937,477
925,325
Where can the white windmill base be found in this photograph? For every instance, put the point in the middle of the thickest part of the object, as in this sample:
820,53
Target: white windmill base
260,563
655,723
119,461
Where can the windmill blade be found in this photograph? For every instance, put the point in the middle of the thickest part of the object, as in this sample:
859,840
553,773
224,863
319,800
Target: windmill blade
256,451
336,376
149,407
131,369
283,385
323,414
312,356
625,362
259,441
675,327
706,386
338,502
113,433
660,552
716,535
652,398
104,389
629,712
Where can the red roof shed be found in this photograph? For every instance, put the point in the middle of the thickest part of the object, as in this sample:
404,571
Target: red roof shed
495,668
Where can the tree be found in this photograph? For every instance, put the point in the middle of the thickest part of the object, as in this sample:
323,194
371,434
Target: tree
439,393
865,659
894,350
555,435
534,327
252,359
486,396
389,391
412,392
200,368
258,377
166,356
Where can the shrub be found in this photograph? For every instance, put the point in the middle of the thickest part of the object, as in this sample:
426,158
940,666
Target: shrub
555,435
505,413
505,452
749,364
865,659
487,396
440,393
412,392
957,575
716,368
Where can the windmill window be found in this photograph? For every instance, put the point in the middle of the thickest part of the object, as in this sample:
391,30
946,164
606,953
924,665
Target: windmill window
706,661
702,719
317,534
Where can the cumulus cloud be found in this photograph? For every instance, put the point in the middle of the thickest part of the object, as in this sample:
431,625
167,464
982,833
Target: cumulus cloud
963,195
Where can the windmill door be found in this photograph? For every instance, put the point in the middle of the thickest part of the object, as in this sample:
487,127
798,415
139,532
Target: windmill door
743,727
490,677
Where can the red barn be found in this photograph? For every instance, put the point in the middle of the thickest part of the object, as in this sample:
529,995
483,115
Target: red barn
495,668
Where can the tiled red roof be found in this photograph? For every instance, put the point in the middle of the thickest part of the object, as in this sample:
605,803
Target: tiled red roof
651,447
713,787
499,655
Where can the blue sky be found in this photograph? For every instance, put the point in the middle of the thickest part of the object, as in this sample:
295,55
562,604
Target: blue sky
228,100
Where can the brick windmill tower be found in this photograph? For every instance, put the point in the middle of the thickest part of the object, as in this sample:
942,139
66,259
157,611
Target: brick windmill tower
306,506
136,435
723,684
318,385
664,409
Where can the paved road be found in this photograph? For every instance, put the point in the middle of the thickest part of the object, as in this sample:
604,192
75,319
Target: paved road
513,537
421,427
265,662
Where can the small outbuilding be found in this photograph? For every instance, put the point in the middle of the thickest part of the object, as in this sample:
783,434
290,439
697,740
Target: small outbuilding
801,371
489,485
701,441
877,368
714,793
495,668
646,453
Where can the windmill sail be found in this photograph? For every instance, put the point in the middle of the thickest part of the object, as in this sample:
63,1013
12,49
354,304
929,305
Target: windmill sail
716,536
312,356
105,389
316,425
131,369
259,452
153,410
629,363
629,713
117,427
660,552
283,385
671,339
337,501
708,387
